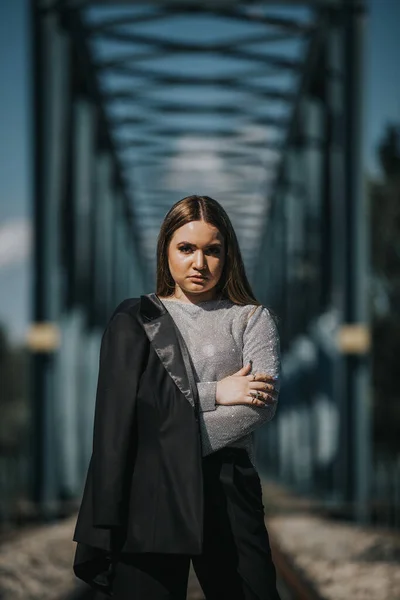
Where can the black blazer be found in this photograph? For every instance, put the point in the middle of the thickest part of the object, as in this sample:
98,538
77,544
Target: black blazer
144,486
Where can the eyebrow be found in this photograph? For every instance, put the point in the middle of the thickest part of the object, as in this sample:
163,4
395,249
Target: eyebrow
208,245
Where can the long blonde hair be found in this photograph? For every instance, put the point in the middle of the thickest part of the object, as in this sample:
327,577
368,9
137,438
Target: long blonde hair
233,283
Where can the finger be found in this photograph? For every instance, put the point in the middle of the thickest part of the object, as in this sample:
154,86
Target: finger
266,398
253,401
263,377
262,386
267,377
244,370
270,399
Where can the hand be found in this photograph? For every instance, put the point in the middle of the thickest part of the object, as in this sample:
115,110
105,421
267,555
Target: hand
236,388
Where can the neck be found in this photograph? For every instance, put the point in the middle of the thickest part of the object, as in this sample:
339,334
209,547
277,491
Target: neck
179,294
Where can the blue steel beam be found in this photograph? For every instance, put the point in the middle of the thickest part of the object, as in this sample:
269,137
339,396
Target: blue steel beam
69,129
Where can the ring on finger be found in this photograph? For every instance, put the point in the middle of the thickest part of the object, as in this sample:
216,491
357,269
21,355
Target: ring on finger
254,376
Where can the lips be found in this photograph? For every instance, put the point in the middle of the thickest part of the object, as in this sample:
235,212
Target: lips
199,278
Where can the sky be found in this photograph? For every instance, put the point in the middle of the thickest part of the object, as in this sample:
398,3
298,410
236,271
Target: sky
381,106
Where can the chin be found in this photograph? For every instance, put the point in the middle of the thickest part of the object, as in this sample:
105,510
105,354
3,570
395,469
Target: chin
201,286
198,287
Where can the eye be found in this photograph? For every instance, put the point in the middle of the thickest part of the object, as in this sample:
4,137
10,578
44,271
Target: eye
215,250
185,249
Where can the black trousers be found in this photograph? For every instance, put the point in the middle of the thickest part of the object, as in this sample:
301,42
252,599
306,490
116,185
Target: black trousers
236,561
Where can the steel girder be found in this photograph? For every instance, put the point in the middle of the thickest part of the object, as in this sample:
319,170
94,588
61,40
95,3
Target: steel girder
177,81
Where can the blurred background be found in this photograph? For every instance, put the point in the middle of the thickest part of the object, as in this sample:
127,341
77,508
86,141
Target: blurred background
286,112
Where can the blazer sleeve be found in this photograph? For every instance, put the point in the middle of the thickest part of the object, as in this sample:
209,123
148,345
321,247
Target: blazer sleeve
122,354
227,424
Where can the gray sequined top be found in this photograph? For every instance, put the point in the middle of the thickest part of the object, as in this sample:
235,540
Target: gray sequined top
221,338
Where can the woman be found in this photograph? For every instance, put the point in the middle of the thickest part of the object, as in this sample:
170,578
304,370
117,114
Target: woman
186,375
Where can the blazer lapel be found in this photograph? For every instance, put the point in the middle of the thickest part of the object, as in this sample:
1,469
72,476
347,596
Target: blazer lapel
169,345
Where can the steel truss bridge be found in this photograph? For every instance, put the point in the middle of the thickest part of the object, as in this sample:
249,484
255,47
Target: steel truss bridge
256,103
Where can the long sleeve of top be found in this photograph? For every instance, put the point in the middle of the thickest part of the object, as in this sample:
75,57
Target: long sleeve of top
222,337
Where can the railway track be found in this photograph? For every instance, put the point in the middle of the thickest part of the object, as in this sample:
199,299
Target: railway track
292,583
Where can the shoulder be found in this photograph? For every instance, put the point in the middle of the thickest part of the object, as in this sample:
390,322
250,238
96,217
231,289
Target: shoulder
129,306
124,316
254,319
252,313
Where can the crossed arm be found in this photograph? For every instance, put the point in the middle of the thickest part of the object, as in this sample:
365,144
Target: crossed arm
220,424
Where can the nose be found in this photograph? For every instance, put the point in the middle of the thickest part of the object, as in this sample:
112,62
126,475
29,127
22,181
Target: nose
199,259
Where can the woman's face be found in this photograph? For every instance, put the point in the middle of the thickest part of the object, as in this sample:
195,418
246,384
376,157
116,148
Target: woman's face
196,258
